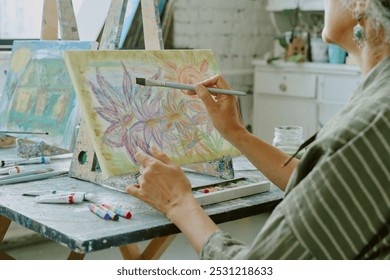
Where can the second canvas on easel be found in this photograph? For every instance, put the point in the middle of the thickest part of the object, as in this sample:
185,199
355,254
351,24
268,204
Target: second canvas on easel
38,94
123,117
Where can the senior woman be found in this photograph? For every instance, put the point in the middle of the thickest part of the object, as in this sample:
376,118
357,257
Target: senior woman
337,197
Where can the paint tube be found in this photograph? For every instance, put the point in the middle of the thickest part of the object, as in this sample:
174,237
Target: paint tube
112,214
66,198
121,212
99,211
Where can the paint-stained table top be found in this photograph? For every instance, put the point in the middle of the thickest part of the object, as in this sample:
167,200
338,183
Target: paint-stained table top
75,227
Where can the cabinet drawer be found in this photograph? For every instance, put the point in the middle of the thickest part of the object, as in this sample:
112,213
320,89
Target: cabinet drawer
285,84
337,89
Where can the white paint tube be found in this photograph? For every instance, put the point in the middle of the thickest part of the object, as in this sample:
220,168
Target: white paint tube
64,198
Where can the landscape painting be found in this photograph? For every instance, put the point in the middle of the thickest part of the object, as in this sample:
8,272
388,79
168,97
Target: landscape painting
123,117
38,94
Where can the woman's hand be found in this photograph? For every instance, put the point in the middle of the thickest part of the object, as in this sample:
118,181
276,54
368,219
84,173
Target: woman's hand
162,184
225,115
165,187
223,109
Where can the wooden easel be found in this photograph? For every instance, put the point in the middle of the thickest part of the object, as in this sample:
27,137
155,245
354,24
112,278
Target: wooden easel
84,164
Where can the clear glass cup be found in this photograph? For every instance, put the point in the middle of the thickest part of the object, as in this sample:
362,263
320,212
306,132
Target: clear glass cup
288,139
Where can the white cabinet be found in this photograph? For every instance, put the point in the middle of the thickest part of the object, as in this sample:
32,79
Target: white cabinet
280,5
270,111
311,5
304,5
305,94
285,84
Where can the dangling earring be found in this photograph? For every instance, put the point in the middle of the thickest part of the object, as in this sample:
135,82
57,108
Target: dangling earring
359,34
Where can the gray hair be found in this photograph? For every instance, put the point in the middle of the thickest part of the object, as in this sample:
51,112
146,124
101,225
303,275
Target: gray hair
378,12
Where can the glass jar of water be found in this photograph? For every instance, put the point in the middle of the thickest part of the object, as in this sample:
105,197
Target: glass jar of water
288,139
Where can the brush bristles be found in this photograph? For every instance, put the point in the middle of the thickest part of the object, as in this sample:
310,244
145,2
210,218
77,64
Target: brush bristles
140,81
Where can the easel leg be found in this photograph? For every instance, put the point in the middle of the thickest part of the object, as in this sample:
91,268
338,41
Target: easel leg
157,247
153,251
4,225
75,256
130,252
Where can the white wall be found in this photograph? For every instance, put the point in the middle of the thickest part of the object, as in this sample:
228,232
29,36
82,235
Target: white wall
236,30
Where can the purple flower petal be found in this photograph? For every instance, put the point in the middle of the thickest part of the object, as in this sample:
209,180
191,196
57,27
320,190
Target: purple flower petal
114,135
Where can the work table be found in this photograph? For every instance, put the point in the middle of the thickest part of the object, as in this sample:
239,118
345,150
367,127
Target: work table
75,227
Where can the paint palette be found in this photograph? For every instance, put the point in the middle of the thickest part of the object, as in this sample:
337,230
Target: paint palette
230,189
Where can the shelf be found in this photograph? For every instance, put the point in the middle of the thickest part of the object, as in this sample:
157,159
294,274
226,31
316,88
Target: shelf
304,5
309,66
311,5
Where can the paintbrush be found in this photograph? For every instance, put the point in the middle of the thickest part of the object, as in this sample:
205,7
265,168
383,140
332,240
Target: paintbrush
22,132
24,161
159,83
33,177
35,160
11,170
28,173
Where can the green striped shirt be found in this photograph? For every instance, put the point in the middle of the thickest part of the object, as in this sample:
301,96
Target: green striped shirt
337,202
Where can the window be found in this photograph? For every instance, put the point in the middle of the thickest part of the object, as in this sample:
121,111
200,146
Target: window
22,19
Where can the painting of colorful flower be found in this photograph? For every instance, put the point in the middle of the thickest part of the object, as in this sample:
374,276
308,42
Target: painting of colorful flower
123,117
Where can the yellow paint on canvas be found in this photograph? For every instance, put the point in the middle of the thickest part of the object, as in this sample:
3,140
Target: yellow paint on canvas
20,59
59,108
23,101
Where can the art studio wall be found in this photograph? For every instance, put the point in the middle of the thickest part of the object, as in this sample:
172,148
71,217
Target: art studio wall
237,31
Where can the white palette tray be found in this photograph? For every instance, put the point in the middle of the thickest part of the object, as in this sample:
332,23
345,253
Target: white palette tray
230,189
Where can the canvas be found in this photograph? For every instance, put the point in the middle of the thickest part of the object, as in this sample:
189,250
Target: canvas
5,58
123,117
38,94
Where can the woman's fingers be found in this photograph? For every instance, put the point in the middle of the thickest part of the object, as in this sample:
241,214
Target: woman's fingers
133,190
205,95
142,158
160,155
216,80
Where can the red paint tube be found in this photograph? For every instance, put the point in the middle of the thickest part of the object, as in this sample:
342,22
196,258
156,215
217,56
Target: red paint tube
64,198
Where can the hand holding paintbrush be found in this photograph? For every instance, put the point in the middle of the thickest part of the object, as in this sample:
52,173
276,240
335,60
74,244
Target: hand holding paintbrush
158,83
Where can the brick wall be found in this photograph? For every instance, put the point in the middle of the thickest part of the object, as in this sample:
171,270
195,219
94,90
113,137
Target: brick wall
237,31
